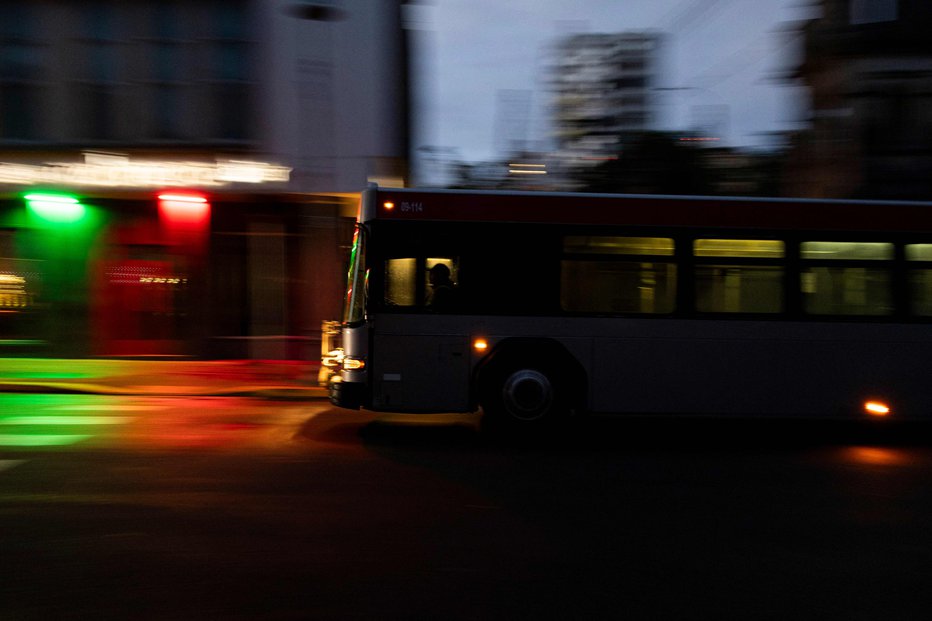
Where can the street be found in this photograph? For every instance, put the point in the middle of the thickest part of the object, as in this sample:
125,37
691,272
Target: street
240,508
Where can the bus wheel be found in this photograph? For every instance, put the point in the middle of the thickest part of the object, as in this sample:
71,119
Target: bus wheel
522,399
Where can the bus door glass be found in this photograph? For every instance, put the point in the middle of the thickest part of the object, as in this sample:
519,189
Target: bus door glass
422,359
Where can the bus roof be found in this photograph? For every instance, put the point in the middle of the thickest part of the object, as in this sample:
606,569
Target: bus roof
643,210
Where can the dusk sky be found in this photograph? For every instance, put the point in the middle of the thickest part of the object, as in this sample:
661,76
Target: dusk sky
723,55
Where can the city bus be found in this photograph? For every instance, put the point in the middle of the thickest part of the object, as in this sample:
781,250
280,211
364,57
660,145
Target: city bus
572,304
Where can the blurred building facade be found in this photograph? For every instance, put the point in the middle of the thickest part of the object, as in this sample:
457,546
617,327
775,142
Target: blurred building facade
257,121
868,66
521,171
603,88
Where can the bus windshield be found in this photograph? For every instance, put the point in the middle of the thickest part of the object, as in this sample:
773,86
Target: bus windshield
354,305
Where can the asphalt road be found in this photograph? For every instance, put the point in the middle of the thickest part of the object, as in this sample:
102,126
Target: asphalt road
231,508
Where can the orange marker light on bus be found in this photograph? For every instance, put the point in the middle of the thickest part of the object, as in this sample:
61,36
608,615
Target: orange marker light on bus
876,408
353,364
480,344
388,205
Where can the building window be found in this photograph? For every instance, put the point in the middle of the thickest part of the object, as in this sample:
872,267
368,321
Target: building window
19,60
870,11
19,106
230,71
166,117
98,111
95,94
20,66
20,290
232,122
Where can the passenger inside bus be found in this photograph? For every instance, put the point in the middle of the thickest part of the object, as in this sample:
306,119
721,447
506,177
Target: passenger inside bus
443,291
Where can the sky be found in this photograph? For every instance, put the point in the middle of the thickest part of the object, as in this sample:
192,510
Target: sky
722,56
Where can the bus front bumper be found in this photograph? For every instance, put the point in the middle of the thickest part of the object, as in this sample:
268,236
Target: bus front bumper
347,395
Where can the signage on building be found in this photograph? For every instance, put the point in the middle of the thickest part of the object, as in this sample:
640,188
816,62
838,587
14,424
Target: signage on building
104,170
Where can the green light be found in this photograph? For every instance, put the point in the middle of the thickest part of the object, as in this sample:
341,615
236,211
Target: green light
55,207
41,374
40,440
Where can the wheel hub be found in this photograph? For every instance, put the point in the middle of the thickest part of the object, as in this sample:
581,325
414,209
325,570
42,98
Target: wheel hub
527,394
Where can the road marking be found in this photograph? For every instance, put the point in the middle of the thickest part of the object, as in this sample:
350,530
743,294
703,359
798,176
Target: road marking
109,407
6,464
30,423
65,420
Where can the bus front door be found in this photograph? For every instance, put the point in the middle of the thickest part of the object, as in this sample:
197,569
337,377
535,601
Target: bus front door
420,373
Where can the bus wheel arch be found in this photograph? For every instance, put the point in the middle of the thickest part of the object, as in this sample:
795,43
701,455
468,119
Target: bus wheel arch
530,383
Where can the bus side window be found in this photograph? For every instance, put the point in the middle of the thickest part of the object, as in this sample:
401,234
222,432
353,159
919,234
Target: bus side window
739,275
400,282
442,283
919,257
847,278
612,274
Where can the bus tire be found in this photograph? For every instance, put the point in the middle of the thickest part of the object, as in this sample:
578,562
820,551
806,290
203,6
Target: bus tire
522,399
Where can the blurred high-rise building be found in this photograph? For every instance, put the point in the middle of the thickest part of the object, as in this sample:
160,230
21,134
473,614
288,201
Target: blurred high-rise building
603,88
512,121
272,113
868,67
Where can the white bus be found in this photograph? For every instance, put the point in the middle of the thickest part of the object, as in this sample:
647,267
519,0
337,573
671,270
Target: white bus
587,303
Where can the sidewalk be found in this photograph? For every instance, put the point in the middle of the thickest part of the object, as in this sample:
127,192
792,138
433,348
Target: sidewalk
272,379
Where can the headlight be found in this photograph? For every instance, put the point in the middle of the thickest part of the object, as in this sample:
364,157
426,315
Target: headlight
333,358
353,364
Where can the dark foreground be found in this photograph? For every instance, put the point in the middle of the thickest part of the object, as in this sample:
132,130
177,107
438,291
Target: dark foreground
238,509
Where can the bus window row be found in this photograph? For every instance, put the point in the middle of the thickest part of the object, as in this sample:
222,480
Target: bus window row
618,275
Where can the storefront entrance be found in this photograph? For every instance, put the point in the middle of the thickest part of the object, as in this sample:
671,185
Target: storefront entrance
143,307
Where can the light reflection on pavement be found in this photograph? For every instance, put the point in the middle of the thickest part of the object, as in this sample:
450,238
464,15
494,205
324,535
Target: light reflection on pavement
86,421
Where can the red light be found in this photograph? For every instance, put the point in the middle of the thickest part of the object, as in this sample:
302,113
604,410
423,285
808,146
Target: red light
388,205
184,208
183,198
